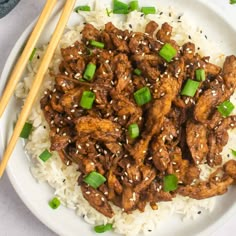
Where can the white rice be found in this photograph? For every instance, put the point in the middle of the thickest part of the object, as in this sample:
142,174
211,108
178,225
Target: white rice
64,178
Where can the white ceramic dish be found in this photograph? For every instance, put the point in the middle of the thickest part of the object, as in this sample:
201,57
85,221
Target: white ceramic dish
35,196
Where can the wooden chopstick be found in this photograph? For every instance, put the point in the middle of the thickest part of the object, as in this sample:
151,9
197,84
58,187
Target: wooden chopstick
37,82
24,58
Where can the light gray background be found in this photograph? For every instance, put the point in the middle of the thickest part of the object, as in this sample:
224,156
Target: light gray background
15,218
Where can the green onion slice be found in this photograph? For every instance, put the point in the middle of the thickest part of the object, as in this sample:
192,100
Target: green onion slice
96,44
200,75
233,152
225,108
103,228
82,8
190,88
142,96
26,130
133,5
94,179
168,52
133,130
87,99
45,155
170,183
148,10
108,12
89,71
137,71
54,203
232,1
32,54
120,7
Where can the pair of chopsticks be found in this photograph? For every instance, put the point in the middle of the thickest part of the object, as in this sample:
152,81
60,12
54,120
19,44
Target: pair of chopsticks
20,66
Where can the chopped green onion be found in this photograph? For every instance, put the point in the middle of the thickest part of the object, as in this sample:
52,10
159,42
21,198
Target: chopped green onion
94,179
120,7
82,8
54,203
45,155
190,88
26,130
168,52
87,99
142,96
232,1
32,54
89,71
133,5
225,108
200,75
233,152
148,10
137,71
96,44
133,131
103,228
170,183
108,12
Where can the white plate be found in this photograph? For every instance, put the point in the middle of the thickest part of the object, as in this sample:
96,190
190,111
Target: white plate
63,221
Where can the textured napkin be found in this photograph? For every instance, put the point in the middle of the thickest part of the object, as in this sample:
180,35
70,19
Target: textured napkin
6,6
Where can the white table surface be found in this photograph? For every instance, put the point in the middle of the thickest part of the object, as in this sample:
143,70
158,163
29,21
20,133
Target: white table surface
15,218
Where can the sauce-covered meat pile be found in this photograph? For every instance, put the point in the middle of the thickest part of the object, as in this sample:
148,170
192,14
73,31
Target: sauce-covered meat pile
176,132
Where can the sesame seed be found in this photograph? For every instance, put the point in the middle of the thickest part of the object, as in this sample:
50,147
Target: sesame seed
87,192
162,94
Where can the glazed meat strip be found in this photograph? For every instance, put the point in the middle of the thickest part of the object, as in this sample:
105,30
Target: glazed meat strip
118,112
